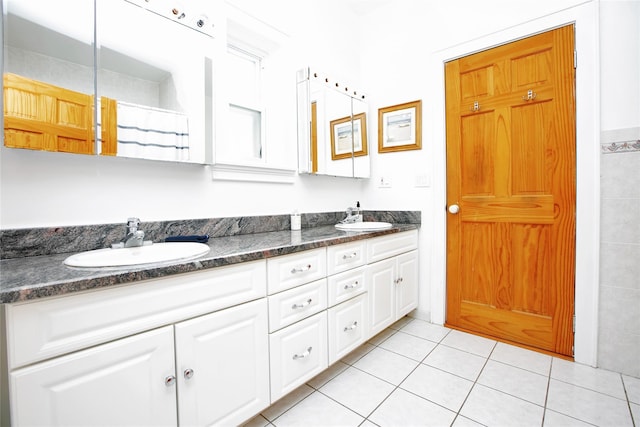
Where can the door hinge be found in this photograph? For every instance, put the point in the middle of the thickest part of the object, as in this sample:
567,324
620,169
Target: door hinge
574,323
575,59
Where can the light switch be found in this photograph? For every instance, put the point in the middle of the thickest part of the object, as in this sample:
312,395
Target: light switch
384,182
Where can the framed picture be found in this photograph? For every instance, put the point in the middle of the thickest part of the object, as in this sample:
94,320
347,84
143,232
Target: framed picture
400,127
349,136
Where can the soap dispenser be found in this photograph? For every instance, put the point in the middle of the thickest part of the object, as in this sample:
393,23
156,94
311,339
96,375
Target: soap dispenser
358,212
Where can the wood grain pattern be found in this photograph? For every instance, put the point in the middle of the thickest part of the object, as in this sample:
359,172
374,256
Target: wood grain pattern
109,126
511,169
41,116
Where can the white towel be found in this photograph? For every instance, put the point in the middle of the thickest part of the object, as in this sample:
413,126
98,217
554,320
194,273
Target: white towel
152,133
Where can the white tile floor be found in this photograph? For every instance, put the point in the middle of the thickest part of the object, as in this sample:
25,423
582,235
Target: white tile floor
419,374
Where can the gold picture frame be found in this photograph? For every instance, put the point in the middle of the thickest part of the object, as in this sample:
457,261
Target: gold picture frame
400,127
346,130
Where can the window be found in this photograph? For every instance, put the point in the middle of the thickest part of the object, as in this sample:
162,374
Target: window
246,114
247,79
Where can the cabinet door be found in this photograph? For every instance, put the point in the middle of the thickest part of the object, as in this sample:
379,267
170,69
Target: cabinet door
123,383
407,283
223,365
298,353
347,324
380,281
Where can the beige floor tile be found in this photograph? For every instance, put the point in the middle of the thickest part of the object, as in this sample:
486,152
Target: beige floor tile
405,409
409,346
604,381
318,410
386,365
588,405
470,343
438,386
357,390
515,381
522,358
456,361
426,330
494,408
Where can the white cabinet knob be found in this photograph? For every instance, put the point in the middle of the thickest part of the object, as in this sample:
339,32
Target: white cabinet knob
454,209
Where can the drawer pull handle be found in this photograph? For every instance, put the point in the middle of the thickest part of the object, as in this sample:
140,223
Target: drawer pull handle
351,286
352,327
170,380
301,305
301,269
350,256
188,373
303,355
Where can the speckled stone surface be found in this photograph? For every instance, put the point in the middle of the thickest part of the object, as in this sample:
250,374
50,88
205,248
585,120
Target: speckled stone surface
233,240
18,243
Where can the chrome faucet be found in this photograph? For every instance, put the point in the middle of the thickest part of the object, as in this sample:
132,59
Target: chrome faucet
134,236
353,215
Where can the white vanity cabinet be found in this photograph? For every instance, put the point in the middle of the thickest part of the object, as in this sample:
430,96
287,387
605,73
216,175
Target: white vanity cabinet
392,278
183,368
213,347
297,288
348,307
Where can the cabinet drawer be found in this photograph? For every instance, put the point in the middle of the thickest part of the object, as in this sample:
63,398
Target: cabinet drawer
347,324
344,286
295,304
298,353
390,245
288,271
345,256
54,326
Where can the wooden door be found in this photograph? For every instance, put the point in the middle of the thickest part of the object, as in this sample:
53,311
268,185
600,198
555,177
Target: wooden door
511,178
41,116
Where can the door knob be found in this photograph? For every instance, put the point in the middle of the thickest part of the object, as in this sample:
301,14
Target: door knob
454,209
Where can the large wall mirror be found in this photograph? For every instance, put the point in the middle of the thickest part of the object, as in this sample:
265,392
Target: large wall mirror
140,86
332,128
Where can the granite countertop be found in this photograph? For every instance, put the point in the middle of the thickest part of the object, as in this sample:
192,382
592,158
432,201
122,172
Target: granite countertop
30,278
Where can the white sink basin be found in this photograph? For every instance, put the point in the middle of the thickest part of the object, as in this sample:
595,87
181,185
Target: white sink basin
364,226
148,254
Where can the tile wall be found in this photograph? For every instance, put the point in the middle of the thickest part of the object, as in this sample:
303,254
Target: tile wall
619,304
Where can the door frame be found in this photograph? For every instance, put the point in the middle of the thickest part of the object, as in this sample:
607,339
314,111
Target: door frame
585,17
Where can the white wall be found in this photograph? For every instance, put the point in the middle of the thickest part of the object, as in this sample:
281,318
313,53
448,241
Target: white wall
620,64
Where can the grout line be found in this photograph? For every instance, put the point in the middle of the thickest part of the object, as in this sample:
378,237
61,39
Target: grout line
474,385
546,395
624,387
396,387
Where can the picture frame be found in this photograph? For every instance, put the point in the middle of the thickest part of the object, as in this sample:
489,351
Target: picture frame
400,127
346,130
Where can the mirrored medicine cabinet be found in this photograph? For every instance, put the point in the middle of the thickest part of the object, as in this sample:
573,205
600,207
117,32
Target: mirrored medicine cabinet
141,86
332,127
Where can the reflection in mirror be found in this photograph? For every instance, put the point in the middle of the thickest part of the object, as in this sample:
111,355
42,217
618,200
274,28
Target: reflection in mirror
154,80
332,128
48,76
361,160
